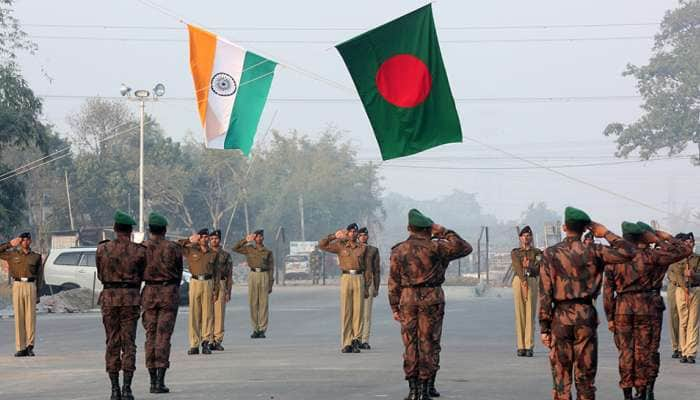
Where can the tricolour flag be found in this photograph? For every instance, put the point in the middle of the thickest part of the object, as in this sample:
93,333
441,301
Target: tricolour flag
398,71
231,86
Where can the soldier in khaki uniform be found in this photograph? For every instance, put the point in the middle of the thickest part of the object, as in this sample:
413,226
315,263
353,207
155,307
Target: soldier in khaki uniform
686,275
223,278
260,280
526,266
201,261
351,259
27,272
372,278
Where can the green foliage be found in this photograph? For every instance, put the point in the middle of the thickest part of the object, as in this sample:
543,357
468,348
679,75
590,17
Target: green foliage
670,86
12,37
20,111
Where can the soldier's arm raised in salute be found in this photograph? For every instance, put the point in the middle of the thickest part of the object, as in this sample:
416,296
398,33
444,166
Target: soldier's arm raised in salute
451,245
242,246
668,249
619,251
609,300
331,243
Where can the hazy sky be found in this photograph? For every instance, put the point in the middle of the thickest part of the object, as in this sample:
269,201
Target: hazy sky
490,71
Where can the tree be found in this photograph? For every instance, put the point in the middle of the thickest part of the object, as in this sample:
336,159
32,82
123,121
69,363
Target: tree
12,37
670,86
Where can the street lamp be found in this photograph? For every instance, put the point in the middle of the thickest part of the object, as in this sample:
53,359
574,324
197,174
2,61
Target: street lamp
142,95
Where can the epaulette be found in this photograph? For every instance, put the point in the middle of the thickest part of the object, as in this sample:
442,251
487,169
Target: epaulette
104,241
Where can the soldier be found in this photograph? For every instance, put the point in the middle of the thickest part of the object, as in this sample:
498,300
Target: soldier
351,260
372,278
686,274
570,278
526,266
315,260
223,278
631,307
27,272
160,299
260,279
202,290
417,271
656,262
120,268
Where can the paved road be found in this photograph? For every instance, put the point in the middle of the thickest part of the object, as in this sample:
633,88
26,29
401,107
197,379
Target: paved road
301,358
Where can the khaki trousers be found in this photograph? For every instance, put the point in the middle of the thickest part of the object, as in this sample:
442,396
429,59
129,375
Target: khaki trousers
200,312
24,305
219,313
688,320
352,294
525,311
258,298
673,316
367,315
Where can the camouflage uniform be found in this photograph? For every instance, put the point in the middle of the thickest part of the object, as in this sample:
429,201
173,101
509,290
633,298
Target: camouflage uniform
416,274
160,298
570,279
223,276
120,268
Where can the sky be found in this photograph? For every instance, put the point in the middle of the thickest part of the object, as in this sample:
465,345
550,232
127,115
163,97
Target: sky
520,85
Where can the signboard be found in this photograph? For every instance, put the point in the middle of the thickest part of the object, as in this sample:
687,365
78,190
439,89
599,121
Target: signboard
302,247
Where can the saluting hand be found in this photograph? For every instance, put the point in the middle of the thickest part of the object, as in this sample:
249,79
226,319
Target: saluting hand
598,230
663,235
546,339
436,229
194,238
15,242
341,234
650,238
250,237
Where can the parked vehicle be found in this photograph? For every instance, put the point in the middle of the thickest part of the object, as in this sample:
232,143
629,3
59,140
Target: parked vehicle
296,266
76,267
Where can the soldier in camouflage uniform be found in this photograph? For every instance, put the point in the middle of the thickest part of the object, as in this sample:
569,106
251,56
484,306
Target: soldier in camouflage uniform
160,299
417,271
526,267
372,278
223,276
631,307
570,278
120,268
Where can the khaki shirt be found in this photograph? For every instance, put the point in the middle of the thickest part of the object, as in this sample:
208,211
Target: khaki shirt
517,257
23,265
256,257
351,254
224,267
676,273
373,267
200,263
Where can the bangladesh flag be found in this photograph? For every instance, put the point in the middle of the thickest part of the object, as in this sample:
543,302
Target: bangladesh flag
399,74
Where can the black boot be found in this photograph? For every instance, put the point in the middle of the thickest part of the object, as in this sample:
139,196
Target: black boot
412,389
641,393
126,387
114,379
160,382
431,387
30,350
205,348
650,390
423,393
628,393
154,380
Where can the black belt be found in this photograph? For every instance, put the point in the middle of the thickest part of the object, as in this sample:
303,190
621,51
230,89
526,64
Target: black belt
163,283
694,285
223,278
258,270
585,301
353,272
121,285
25,279
427,285
204,277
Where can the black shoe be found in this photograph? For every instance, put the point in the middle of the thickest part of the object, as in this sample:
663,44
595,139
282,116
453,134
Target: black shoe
21,353
423,392
346,349
684,360
126,387
641,393
691,359
160,381
412,389
521,353
529,353
676,354
255,335
217,347
116,392
365,346
355,346
30,350
627,392
261,335
205,348
193,351
432,391
154,380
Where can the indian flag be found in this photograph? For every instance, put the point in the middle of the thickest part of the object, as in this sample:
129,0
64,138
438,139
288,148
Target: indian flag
231,86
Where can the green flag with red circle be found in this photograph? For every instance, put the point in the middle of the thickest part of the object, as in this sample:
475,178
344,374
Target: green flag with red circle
398,71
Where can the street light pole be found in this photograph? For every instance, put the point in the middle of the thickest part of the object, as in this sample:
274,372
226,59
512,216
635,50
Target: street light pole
143,109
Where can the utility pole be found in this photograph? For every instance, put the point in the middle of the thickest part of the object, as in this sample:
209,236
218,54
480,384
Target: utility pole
487,254
70,210
301,215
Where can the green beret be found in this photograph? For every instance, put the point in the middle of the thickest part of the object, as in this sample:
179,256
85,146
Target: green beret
123,218
417,219
646,227
630,228
156,219
572,214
